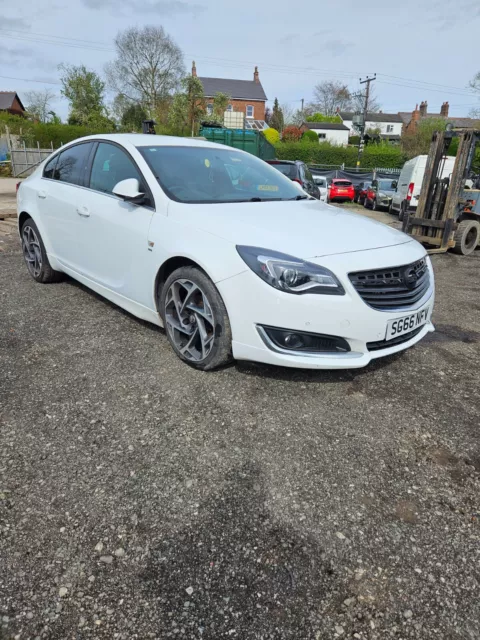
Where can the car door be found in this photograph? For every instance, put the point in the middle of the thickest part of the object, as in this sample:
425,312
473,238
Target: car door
114,238
62,181
312,188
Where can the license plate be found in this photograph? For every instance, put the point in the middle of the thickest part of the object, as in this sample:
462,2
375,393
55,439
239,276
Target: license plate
408,323
342,191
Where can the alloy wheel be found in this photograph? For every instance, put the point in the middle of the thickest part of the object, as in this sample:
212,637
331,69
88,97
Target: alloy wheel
32,251
189,319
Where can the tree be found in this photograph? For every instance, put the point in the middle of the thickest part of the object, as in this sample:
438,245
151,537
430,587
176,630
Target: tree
418,141
330,96
268,115
220,104
358,102
39,104
276,121
84,90
475,85
310,136
320,117
133,117
291,134
188,107
148,67
271,135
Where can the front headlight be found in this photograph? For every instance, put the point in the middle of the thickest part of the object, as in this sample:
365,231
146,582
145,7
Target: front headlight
290,274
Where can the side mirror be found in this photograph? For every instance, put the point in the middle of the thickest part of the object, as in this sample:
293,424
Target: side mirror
394,184
129,190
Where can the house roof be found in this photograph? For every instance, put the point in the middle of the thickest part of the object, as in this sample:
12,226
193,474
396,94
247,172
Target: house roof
236,89
373,117
7,98
462,123
326,126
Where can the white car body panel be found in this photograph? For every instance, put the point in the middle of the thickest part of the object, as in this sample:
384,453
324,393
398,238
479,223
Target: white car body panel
413,171
117,249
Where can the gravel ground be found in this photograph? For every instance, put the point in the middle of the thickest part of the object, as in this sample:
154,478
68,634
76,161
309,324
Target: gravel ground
140,498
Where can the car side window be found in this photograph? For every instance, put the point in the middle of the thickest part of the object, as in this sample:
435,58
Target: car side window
110,166
49,169
308,174
72,163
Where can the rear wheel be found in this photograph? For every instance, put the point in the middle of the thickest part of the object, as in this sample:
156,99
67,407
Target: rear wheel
403,209
374,205
365,203
195,319
466,237
35,255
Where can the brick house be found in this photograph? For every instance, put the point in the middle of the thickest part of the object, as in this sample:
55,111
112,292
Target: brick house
411,119
10,102
247,96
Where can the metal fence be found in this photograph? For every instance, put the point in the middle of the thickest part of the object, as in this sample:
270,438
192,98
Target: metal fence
354,174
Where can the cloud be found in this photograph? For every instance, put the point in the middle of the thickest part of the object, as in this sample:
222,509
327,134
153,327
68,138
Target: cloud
163,8
14,23
333,47
25,57
288,39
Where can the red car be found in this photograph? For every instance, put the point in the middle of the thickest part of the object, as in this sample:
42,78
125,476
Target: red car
340,190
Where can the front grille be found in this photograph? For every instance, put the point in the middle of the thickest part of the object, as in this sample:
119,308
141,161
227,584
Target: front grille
385,344
393,288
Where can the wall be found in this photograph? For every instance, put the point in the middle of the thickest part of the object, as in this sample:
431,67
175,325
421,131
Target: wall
337,137
397,127
241,105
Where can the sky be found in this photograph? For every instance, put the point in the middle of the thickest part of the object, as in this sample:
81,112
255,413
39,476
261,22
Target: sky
416,47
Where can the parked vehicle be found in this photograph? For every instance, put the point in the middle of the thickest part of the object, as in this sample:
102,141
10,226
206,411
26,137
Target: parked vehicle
244,267
379,194
299,173
340,190
322,184
410,181
361,191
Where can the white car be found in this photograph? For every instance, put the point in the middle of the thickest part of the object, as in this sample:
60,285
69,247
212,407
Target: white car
321,182
247,268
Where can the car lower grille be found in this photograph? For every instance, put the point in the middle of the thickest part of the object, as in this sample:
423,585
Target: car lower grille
393,288
385,344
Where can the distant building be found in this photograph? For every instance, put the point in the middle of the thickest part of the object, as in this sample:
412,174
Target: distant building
247,97
411,119
11,103
389,124
333,132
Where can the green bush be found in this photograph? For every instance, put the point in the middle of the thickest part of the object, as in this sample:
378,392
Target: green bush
47,134
325,153
310,136
320,117
271,135
354,140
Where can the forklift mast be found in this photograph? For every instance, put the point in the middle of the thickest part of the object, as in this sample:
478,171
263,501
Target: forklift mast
442,201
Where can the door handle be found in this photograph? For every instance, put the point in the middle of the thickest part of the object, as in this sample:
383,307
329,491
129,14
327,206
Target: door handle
42,194
83,211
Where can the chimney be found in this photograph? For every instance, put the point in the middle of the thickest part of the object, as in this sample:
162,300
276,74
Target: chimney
194,69
255,76
423,108
416,113
444,110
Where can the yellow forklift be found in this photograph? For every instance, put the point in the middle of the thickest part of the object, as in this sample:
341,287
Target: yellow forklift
448,211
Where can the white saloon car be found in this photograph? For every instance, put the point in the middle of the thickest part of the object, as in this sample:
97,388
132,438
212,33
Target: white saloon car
244,267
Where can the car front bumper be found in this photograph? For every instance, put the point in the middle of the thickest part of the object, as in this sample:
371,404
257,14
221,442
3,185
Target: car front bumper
253,304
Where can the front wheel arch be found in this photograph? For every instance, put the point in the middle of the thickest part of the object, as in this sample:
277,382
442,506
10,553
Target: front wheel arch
168,267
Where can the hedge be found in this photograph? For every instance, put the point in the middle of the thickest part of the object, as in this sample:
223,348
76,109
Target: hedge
325,153
45,134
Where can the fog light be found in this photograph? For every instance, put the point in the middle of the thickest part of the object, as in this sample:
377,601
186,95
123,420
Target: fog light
302,341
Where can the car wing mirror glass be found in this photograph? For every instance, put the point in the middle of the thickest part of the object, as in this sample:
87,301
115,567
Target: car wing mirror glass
129,190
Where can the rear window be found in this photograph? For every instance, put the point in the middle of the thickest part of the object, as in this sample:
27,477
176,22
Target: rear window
289,170
320,182
342,183
385,184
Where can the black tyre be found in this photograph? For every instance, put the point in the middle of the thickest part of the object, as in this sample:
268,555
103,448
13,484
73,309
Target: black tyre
195,319
35,255
365,203
374,205
403,209
390,208
467,237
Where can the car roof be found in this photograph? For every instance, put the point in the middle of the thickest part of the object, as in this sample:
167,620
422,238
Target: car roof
149,140
341,180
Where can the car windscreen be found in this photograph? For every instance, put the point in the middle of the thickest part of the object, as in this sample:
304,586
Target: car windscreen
342,183
208,175
385,185
320,182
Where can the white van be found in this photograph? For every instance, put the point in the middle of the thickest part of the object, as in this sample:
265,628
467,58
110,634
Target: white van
410,182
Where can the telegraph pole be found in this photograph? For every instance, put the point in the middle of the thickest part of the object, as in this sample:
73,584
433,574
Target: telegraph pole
367,81
302,107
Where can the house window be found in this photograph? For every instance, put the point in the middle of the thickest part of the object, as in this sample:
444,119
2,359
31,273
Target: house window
230,107
249,110
209,109
322,136
389,128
